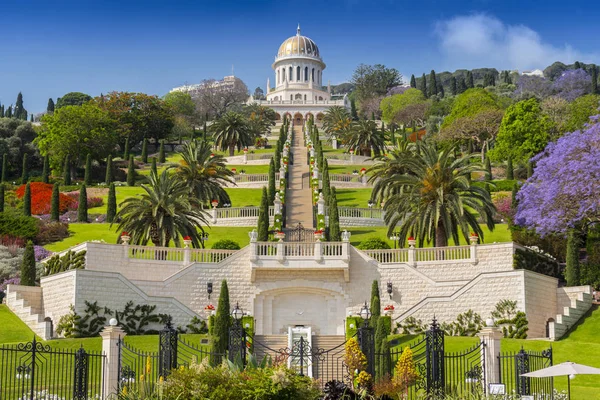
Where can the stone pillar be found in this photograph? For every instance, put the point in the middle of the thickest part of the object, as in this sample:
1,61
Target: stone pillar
318,250
364,179
213,213
110,347
125,261
277,204
281,174
321,205
280,251
253,237
334,142
351,157
187,255
490,336
316,171
312,151
411,256
474,240
245,158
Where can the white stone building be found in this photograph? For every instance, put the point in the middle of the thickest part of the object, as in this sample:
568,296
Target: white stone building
298,91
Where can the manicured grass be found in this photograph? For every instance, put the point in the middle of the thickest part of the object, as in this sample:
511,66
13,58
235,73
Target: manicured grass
251,169
13,329
353,197
346,169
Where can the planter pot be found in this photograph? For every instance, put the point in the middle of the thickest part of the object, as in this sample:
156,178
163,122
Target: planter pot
412,242
280,236
318,236
187,243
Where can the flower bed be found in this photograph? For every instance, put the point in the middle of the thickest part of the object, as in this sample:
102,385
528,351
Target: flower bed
41,198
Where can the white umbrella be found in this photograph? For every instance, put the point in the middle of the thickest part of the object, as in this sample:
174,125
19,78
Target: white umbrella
567,368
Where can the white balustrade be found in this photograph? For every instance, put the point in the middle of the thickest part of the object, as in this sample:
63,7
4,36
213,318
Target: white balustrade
240,212
177,254
299,249
357,212
388,256
443,253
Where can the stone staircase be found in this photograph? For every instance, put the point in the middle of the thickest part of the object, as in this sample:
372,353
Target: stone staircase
269,345
571,314
26,303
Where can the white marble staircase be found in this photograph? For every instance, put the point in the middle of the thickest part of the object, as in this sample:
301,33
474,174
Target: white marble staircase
26,303
581,301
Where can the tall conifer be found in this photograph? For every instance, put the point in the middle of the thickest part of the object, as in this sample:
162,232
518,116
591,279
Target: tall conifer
222,324
111,206
470,82
433,89
27,201
82,207
375,299
50,106
413,81
154,166
25,169
87,178
28,266
131,172
423,85
46,170
145,151
109,170
272,188
126,149
67,171
263,217
55,203
334,216
161,152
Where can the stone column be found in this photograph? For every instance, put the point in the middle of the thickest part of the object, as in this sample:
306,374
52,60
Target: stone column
318,250
245,157
280,252
213,213
364,179
490,336
321,205
474,240
277,204
334,142
411,254
110,347
253,237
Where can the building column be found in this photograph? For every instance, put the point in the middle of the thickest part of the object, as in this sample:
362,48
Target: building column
490,350
110,347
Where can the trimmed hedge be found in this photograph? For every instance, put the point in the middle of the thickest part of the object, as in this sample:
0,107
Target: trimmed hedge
357,321
536,262
18,226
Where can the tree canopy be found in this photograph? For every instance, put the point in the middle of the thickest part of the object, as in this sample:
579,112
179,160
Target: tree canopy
374,80
72,99
392,105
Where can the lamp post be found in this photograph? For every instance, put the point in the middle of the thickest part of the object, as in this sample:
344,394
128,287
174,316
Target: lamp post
371,203
366,339
203,237
395,238
237,336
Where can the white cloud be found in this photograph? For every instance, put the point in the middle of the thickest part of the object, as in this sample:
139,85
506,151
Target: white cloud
480,40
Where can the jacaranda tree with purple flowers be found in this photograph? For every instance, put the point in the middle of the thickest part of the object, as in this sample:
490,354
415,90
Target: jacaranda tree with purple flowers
573,84
564,191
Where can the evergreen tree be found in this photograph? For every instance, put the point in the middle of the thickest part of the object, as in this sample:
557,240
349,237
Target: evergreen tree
82,208
510,173
1,197
1,111
385,359
577,65
25,169
488,169
433,89
4,168
326,182
572,269
67,171
19,110
55,203
380,337
8,113
154,166
131,172
31,119
413,81
126,149
46,170
109,170
111,206
453,86
87,178
529,169
272,190
263,217
489,79
334,216
375,300
353,112
440,88
222,324
161,152
423,85
515,191
50,107
461,85
470,83
28,265
145,151
27,201
594,79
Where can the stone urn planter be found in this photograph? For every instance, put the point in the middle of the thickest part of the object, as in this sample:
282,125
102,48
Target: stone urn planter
279,235
318,236
412,242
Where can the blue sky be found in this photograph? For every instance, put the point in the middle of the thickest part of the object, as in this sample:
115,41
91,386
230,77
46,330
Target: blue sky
53,47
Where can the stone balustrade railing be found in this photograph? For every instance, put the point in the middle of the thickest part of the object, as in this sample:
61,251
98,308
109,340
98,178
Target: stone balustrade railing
254,178
412,255
238,212
282,251
259,156
359,212
177,254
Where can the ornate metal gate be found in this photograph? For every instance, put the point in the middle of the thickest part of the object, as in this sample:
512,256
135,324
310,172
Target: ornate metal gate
512,365
300,234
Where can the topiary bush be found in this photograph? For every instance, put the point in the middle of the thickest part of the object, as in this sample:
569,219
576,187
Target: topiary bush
373,243
226,244
18,226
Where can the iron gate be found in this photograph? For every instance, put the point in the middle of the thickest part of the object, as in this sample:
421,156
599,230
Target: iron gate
512,365
35,370
300,234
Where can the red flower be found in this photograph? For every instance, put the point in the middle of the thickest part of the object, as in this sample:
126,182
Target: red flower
389,307
209,307
124,233
411,238
187,238
474,234
41,198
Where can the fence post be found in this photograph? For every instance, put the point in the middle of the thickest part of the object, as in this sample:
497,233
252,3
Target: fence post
80,373
474,259
167,354
110,348
411,256
435,359
522,367
318,251
213,213
490,336
280,252
366,342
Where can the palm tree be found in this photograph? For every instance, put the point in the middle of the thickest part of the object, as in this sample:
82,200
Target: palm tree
163,212
433,198
385,169
203,172
231,131
364,136
260,119
336,120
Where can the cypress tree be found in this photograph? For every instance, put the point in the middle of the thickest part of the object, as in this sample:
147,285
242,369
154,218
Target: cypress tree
67,171
433,89
380,336
161,152
440,89
145,151
25,170
423,85
4,168
353,112
131,172
326,182
31,118
19,109
453,86
82,208
222,323
470,83
572,269
375,301
126,149
1,197
109,173
594,79
8,113
263,217
55,203
46,170
87,178
413,81
50,107
111,206
488,169
27,201
272,189
334,216
385,359
510,173
529,169
515,190
154,166
28,265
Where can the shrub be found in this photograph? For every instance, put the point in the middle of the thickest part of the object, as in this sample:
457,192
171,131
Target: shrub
95,202
51,231
41,253
41,198
373,243
18,226
536,261
226,244
28,266
67,262
10,262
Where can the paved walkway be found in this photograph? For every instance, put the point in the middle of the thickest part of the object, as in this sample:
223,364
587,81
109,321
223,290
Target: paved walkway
299,205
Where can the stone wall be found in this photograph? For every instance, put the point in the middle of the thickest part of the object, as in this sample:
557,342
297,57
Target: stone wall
540,302
58,294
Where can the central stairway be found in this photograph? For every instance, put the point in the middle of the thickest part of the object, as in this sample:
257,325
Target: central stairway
299,197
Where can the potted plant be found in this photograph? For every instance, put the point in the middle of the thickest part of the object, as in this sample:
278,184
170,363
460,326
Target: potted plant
234,170
125,238
279,235
215,203
474,238
318,235
389,309
187,241
363,171
411,242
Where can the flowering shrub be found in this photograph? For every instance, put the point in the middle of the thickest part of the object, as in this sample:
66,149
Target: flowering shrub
41,253
503,203
41,198
10,281
51,231
94,202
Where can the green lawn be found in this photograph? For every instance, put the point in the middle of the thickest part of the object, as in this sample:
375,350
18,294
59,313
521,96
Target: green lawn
346,169
353,197
250,169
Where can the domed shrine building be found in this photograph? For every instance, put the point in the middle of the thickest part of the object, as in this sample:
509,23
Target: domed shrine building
299,91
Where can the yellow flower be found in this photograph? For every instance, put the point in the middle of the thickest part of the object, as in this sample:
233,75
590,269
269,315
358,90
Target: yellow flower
124,391
182,368
148,365
142,378
161,379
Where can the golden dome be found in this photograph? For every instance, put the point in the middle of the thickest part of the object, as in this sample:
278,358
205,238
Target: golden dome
298,45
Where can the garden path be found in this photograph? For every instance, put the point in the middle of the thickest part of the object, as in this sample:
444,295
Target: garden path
299,205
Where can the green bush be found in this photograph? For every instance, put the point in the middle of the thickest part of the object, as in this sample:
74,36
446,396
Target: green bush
536,262
67,262
18,226
226,244
373,243
51,231
504,185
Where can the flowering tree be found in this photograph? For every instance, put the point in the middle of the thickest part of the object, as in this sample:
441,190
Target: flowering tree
532,86
573,84
564,190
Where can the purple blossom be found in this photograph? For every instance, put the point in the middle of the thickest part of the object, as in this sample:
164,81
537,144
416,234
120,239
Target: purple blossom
564,190
533,86
10,281
41,253
572,84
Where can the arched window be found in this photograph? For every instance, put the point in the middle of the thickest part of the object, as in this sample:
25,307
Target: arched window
320,98
298,96
304,97
291,74
291,97
298,74
277,74
306,74
313,74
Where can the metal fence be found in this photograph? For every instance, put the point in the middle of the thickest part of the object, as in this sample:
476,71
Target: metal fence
512,365
34,370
